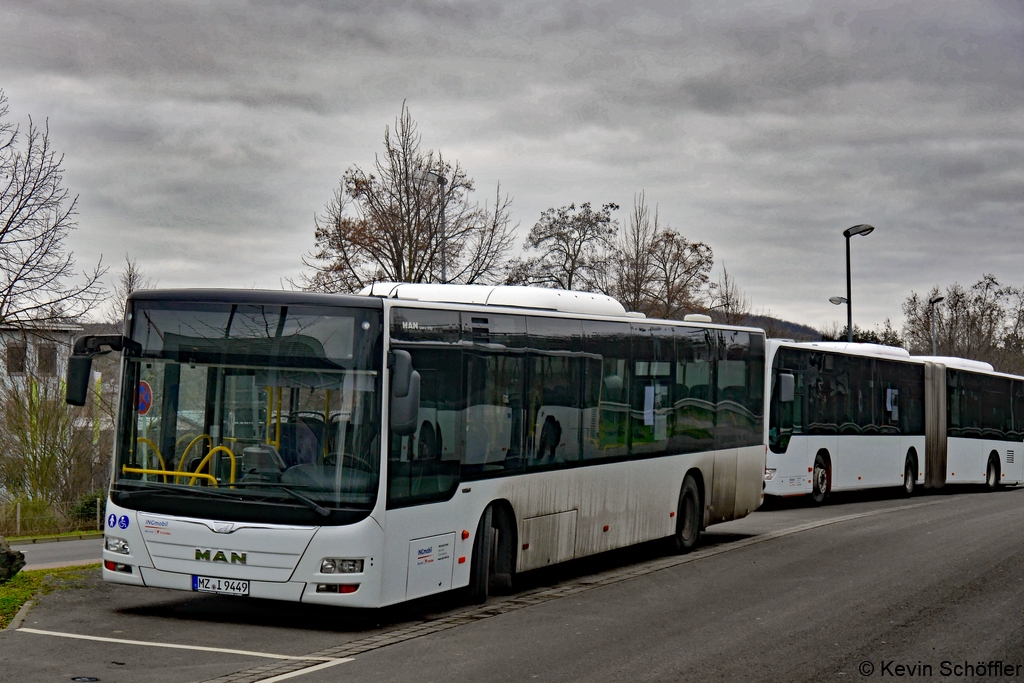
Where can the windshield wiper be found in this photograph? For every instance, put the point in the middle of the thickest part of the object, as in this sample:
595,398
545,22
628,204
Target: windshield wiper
154,488
311,504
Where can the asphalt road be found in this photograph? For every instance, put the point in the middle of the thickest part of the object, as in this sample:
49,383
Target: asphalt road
790,593
46,555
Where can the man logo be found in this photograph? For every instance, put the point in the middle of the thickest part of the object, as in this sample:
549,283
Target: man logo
220,556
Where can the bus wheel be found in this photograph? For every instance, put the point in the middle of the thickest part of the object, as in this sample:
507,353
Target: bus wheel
819,480
480,569
688,522
909,476
992,473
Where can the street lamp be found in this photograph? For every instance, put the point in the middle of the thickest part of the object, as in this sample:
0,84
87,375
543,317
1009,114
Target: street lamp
862,229
838,300
435,177
931,304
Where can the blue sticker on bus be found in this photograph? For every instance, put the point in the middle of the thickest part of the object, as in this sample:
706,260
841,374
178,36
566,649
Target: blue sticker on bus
111,520
123,522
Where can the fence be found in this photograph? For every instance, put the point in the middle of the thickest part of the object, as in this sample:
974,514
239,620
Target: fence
38,518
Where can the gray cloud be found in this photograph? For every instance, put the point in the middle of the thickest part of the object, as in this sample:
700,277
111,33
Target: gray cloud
202,138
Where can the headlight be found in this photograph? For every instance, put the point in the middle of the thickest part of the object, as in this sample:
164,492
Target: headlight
769,473
334,566
118,545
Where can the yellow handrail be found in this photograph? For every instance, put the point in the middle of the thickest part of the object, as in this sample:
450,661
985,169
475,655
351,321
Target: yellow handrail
207,459
163,465
184,456
138,470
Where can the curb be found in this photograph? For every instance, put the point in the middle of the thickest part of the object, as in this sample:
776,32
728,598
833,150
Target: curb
88,564
19,617
32,540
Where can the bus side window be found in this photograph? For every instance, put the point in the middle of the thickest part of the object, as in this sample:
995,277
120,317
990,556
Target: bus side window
1018,411
651,393
995,406
739,380
494,414
610,342
693,403
555,393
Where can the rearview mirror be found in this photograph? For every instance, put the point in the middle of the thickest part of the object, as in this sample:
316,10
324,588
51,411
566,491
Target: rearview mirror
405,395
79,373
80,362
787,387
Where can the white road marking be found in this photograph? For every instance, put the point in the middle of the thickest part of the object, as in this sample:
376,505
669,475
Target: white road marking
308,669
176,646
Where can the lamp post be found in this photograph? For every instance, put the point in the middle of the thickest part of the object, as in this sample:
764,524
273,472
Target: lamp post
838,300
862,229
435,177
931,304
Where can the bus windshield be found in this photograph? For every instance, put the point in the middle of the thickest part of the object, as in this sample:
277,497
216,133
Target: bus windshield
243,412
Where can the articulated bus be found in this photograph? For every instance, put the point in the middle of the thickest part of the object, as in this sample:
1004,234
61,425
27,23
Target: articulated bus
367,449
856,416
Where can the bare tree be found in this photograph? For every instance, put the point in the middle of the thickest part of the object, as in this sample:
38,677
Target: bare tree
43,456
130,279
36,215
984,322
681,272
574,248
386,224
657,271
634,268
729,303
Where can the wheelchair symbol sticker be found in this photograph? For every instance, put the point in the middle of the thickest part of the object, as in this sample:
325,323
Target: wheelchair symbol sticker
123,522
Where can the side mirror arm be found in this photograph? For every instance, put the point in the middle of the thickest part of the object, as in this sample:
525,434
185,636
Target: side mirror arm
80,362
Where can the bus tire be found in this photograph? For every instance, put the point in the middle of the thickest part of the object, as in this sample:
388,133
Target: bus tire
909,476
819,480
992,473
688,517
480,569
503,550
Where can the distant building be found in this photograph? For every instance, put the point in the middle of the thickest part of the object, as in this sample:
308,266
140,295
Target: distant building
37,351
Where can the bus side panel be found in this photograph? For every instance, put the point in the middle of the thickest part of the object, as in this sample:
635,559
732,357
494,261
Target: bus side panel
1011,454
401,526
966,461
868,462
750,462
791,476
723,488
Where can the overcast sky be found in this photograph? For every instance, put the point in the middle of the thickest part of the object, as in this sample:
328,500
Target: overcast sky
201,137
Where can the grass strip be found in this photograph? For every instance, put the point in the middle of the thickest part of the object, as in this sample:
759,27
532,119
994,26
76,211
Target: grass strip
23,585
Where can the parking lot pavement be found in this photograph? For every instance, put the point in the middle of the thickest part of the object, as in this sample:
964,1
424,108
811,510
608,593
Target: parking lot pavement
241,633
63,554
151,617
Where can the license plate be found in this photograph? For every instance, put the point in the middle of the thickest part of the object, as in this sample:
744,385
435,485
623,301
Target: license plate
212,584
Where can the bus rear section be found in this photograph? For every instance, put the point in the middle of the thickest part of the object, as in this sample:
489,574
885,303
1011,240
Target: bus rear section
859,416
